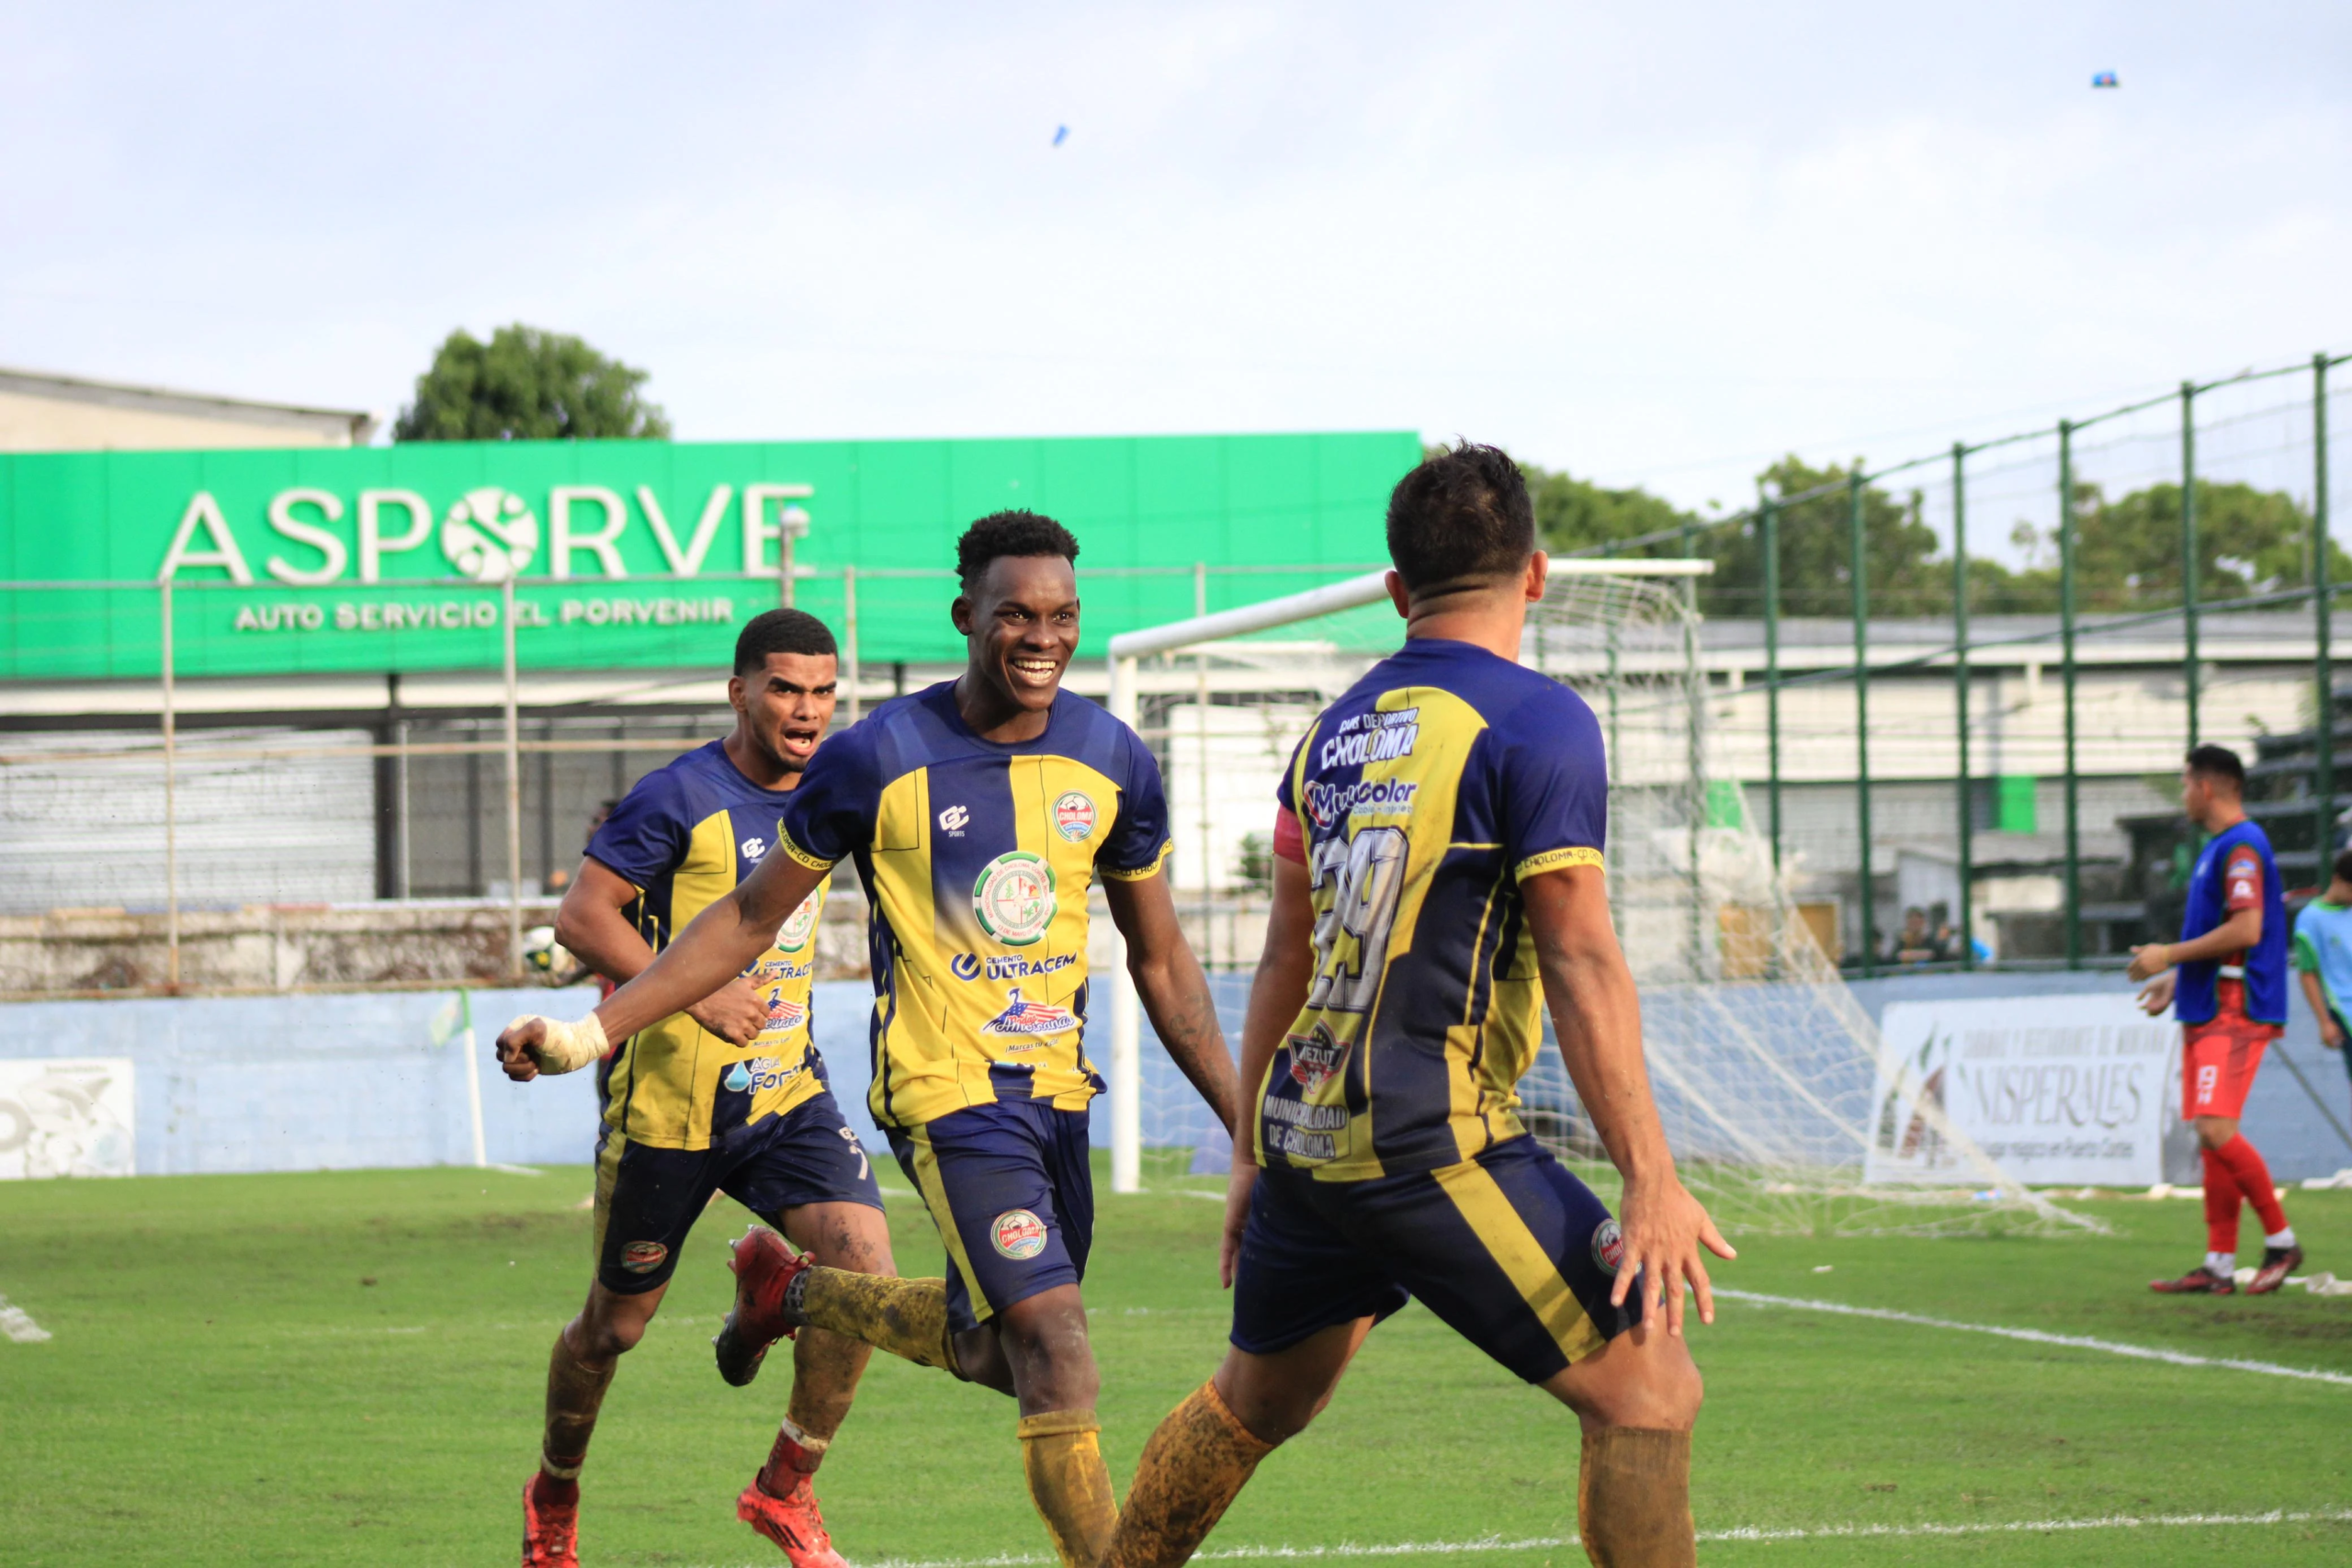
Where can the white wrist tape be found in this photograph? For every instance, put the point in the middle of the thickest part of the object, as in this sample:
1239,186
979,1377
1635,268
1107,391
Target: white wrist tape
569,1046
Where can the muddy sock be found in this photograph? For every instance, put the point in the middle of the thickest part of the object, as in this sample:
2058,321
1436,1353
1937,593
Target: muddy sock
906,1317
1195,1464
795,1458
576,1393
1633,1498
1062,1453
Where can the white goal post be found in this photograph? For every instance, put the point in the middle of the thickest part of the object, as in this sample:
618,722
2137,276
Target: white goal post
1127,651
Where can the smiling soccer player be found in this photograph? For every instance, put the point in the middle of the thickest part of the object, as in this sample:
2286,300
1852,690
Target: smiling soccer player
727,1094
979,812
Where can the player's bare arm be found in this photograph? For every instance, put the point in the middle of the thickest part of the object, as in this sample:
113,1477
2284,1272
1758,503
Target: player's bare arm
2329,1035
2241,931
716,948
591,924
1277,995
1597,1014
1174,991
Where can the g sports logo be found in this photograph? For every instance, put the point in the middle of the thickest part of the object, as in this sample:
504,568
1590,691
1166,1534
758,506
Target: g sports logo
1074,817
1021,1016
489,535
1017,1233
1608,1246
1015,898
643,1256
1316,1058
793,935
954,819
754,847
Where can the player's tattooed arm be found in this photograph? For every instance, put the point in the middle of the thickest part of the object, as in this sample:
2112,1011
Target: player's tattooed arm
1175,993
1598,1015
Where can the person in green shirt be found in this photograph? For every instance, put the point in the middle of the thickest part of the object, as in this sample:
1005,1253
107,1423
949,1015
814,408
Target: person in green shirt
2323,956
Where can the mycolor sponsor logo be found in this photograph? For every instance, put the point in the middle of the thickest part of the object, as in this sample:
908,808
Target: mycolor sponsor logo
1372,737
1328,803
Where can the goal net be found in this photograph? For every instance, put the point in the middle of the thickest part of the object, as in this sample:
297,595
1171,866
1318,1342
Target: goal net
1770,1075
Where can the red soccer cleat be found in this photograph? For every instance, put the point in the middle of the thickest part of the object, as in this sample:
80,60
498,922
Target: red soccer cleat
2199,1281
550,1532
2278,1262
764,1269
793,1522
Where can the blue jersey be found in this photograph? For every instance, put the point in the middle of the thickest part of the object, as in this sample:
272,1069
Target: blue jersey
684,836
1426,794
2324,947
2235,871
976,859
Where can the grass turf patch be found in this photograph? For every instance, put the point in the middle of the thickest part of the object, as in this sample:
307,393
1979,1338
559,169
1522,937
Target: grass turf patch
347,1367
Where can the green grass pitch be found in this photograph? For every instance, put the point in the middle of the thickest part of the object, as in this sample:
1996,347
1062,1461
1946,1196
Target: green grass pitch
345,1368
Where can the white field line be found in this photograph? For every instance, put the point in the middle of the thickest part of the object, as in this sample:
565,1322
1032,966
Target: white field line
18,1325
1346,1551
2040,1336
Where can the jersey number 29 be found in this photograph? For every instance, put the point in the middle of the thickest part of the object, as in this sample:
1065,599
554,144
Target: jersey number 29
1370,872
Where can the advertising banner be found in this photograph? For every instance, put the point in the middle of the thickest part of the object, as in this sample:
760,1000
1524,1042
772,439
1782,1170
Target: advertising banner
2064,1089
634,553
66,1117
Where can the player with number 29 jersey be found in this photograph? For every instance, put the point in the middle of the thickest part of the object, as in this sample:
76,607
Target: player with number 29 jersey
1417,802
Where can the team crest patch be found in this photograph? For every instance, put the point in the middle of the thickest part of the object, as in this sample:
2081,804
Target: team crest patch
1021,1016
793,935
1015,898
1017,1233
1074,817
643,1256
1316,1058
1608,1246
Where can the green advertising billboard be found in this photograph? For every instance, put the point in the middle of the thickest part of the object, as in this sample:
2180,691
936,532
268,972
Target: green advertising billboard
629,554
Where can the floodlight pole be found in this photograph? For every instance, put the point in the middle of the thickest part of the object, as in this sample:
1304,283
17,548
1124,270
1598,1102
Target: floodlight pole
513,786
1127,1003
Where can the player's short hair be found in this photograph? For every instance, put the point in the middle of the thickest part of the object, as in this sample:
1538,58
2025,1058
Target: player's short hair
1001,533
782,631
2342,864
1461,515
2217,764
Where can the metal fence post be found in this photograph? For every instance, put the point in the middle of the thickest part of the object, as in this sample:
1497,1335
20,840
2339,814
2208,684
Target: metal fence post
171,806
1771,521
2188,550
2323,768
1967,822
1858,571
514,787
848,626
2066,654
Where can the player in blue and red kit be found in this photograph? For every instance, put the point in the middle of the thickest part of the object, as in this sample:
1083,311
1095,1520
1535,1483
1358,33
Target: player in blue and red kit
2225,979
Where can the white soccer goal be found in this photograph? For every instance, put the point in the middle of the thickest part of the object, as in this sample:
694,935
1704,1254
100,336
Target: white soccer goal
1768,1072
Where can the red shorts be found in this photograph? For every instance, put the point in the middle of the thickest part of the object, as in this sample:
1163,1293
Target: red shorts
2219,1057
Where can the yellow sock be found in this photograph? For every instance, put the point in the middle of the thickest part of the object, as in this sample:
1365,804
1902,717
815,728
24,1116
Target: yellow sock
1633,1498
1195,1464
906,1317
1062,1453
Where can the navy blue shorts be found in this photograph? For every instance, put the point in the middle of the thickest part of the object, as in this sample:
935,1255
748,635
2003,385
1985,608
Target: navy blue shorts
648,1198
1011,1189
1511,1250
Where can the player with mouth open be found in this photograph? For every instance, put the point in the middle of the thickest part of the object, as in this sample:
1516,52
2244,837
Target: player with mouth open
721,1091
979,812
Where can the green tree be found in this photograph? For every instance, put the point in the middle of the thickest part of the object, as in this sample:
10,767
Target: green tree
527,385
1817,550
2127,552
1573,515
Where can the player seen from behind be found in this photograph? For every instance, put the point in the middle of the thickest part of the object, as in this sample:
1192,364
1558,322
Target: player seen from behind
726,1094
2225,979
2322,957
1437,879
979,812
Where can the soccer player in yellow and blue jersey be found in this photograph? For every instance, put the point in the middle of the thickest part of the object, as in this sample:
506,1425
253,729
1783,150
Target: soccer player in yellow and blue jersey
1438,878
727,1095
978,813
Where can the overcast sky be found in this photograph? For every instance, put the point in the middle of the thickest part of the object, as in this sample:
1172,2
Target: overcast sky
1652,244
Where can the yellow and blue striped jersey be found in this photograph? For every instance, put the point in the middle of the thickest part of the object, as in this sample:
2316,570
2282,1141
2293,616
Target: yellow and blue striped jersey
1424,795
976,859
684,837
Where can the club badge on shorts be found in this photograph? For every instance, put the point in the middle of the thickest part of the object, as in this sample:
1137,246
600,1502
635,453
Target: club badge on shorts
1017,1233
1074,816
1608,1246
643,1256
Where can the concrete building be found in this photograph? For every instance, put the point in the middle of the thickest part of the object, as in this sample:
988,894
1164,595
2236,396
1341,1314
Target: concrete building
40,412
